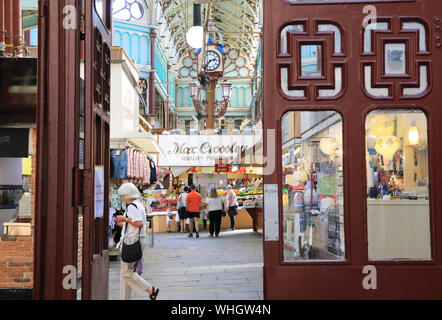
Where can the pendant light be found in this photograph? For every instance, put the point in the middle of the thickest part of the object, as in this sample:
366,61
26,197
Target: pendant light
387,146
413,134
381,125
195,35
327,145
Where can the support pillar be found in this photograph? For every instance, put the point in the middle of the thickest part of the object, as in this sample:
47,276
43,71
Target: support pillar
8,25
153,36
17,24
210,107
2,24
167,111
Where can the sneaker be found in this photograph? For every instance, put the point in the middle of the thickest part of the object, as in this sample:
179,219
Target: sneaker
197,235
211,235
190,235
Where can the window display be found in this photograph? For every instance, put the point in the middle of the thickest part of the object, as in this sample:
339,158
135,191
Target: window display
397,185
313,196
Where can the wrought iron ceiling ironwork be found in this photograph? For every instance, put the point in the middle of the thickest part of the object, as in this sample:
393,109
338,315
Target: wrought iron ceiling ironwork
237,20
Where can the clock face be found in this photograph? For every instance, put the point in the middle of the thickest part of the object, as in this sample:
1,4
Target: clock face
212,61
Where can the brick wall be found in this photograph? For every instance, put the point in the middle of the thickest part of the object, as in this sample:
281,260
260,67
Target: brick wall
16,262
17,252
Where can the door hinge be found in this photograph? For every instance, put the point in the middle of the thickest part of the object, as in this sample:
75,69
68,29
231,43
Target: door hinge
81,188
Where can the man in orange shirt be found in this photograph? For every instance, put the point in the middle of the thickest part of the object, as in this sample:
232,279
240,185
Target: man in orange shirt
193,205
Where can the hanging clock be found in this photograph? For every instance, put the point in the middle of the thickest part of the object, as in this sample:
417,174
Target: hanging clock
213,60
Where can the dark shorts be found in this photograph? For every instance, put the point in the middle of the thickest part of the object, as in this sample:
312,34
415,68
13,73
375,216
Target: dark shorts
193,214
182,213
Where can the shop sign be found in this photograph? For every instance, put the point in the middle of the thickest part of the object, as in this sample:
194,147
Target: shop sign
14,143
271,212
221,165
202,150
99,192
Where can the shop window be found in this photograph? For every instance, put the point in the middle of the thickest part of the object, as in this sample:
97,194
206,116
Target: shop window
313,199
187,124
311,60
238,124
398,207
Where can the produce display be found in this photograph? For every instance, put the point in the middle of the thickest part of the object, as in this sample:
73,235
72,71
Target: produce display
155,193
161,202
251,192
224,192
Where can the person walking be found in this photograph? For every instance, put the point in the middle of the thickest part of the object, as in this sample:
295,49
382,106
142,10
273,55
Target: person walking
181,206
215,208
231,205
193,206
134,229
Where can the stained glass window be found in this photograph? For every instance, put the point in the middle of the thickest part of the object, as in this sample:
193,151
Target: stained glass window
128,10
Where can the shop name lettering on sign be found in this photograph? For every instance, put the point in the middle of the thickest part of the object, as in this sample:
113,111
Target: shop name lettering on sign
206,148
202,151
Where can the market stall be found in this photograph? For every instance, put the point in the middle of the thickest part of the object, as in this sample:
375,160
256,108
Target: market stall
207,161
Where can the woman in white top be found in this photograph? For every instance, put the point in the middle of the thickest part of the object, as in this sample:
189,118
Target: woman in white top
215,208
231,205
181,207
134,228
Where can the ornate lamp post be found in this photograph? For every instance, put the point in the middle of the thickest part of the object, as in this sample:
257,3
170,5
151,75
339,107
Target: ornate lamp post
210,108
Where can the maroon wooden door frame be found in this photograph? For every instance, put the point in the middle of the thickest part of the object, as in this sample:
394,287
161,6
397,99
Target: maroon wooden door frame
61,185
396,280
95,280
57,110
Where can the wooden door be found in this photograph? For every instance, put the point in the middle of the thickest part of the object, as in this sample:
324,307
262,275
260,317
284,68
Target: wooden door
388,68
95,282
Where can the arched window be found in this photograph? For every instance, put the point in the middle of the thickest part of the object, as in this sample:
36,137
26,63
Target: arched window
128,10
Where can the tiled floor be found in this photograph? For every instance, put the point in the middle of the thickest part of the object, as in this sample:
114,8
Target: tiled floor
229,267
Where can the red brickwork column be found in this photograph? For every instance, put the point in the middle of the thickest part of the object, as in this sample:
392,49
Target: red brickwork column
17,252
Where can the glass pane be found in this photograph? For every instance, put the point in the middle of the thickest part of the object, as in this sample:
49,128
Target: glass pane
367,34
398,210
422,33
285,33
376,92
337,34
423,84
311,59
395,58
99,8
312,194
285,85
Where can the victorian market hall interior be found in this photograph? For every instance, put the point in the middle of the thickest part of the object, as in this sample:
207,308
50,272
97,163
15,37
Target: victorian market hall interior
254,149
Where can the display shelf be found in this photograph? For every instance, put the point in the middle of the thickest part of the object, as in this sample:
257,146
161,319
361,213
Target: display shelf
12,187
8,206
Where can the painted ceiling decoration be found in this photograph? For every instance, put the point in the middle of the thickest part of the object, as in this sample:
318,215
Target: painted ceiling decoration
236,20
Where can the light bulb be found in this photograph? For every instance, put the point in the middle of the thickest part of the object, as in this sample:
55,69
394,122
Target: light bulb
413,135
